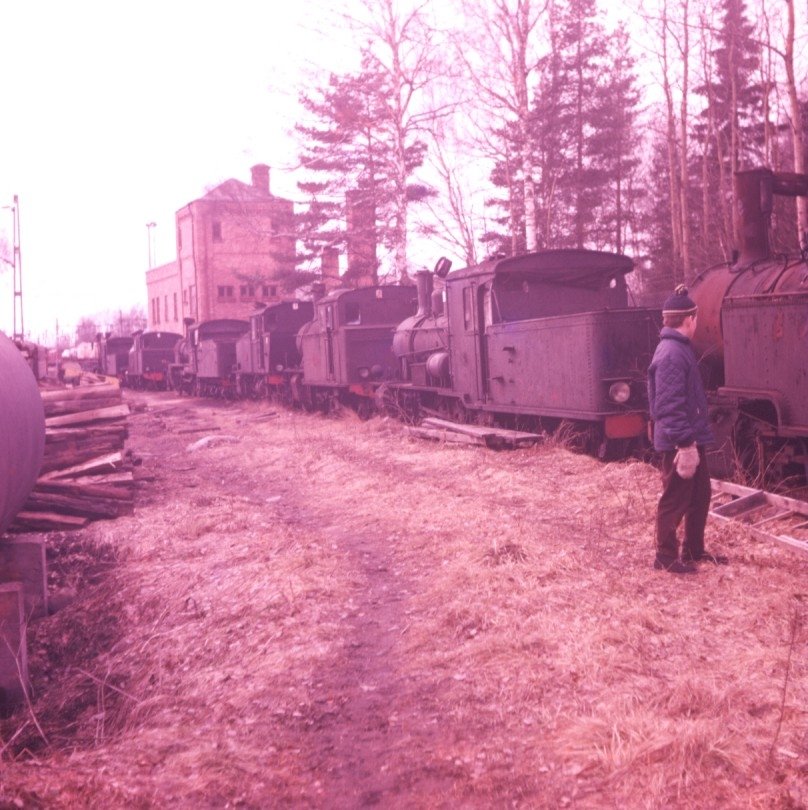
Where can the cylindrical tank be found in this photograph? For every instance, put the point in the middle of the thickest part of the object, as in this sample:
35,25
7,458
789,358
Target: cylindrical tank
22,432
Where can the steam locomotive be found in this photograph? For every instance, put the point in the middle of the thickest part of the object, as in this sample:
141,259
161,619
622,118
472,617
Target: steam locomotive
752,337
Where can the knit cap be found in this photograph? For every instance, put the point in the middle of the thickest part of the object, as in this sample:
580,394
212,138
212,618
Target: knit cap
680,301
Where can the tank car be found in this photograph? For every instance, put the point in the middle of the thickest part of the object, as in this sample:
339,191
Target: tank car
267,355
22,431
752,338
347,348
212,363
149,358
112,354
533,341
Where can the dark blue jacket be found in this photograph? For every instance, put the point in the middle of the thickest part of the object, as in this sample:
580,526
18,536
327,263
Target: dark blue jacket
676,395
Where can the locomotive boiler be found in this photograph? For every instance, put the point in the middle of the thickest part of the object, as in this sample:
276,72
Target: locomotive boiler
752,338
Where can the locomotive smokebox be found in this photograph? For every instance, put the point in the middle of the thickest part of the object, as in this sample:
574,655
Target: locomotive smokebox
22,432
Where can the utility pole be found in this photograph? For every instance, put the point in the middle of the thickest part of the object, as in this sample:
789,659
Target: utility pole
19,328
149,227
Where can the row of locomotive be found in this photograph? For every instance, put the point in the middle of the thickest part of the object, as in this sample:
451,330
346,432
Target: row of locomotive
533,342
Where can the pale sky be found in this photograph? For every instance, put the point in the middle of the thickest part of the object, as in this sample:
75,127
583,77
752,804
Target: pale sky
119,113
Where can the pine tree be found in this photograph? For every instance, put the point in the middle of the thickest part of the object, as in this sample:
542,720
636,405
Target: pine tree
354,146
582,136
730,129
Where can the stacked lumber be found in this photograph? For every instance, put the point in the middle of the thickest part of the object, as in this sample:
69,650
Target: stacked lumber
454,432
86,473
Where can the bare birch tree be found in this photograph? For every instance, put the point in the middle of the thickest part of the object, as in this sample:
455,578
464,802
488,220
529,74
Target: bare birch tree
502,61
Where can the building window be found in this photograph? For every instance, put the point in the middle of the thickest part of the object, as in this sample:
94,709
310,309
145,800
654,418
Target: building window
247,291
269,290
217,231
185,297
165,308
176,314
179,238
225,292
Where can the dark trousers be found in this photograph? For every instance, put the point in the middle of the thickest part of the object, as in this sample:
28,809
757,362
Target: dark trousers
681,498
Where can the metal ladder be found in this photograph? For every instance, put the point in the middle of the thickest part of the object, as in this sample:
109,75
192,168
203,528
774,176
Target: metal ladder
769,516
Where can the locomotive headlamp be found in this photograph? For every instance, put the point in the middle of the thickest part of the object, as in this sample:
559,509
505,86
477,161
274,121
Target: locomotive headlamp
377,371
279,367
620,392
364,373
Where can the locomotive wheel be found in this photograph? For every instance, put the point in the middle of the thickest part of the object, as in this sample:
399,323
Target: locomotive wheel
364,409
458,412
750,452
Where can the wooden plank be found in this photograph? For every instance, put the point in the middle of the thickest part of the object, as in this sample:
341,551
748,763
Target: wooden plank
56,434
445,436
80,488
47,521
77,406
117,412
91,507
108,462
82,392
125,478
481,430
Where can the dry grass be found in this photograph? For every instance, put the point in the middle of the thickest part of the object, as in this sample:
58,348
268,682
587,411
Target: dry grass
480,628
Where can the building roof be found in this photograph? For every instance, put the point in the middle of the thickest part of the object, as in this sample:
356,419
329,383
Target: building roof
236,190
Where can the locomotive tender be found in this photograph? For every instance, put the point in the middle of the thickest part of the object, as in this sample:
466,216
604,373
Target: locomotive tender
268,353
347,349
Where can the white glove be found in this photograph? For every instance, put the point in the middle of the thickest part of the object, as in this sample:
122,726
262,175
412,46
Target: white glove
686,461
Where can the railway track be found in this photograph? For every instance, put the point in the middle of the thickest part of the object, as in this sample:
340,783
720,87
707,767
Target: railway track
769,516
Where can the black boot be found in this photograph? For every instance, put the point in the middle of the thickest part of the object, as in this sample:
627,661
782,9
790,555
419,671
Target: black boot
673,566
705,556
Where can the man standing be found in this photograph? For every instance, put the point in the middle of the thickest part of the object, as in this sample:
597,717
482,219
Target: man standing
681,429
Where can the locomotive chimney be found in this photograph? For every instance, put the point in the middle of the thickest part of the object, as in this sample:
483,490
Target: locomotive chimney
753,210
317,291
329,263
260,178
423,283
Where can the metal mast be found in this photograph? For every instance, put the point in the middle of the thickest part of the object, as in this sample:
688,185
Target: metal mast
18,332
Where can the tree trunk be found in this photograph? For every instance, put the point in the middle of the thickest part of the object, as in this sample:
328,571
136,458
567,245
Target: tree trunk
796,124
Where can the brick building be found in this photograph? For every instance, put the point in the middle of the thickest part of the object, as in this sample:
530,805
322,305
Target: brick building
232,244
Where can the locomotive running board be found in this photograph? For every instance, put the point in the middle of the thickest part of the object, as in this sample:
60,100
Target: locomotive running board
769,516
